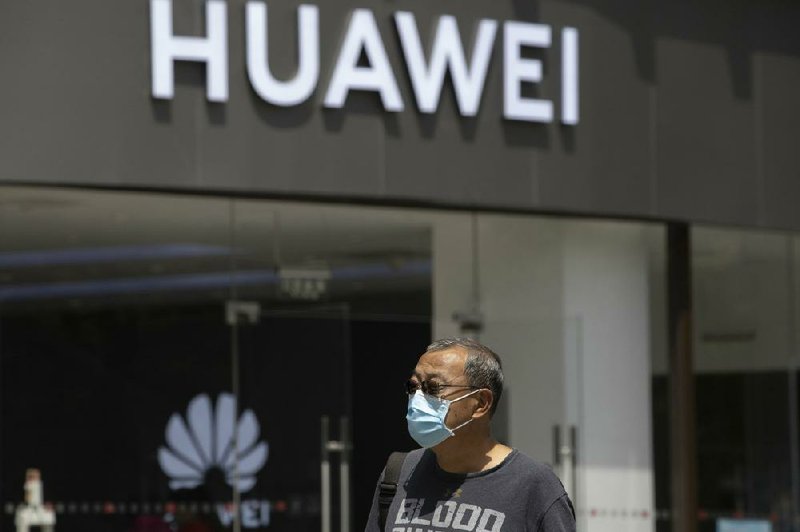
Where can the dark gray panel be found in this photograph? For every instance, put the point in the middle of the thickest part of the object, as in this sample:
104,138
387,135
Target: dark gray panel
668,125
780,144
474,161
74,98
482,160
706,153
249,144
604,164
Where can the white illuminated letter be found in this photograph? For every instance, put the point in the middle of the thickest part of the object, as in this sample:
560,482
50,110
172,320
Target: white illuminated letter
277,92
362,34
447,53
167,48
518,70
569,76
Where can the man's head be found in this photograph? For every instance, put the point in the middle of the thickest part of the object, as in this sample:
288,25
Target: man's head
482,367
460,381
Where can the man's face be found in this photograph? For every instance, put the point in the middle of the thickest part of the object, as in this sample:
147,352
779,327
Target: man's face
446,367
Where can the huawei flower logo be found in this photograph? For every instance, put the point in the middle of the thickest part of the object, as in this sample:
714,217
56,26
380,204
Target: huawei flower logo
204,440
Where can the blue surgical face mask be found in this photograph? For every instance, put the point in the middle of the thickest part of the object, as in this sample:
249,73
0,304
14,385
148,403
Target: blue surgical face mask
426,415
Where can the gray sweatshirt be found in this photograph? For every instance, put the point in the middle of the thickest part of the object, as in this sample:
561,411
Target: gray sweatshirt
518,495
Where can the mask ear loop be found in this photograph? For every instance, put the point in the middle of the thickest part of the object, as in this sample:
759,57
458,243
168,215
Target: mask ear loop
463,424
467,395
470,419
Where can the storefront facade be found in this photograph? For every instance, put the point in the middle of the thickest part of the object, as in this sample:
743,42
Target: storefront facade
235,225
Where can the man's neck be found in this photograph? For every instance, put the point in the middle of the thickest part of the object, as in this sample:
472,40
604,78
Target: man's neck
470,455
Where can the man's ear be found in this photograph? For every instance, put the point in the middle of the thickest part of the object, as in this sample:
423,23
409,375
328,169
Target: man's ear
485,402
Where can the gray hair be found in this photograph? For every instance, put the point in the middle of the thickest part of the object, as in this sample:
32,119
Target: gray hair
482,368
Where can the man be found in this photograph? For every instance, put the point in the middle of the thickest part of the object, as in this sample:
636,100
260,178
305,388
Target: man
462,478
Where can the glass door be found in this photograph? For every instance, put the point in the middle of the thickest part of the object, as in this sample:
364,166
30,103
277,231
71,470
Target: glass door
184,364
745,301
294,369
115,367
541,411
568,435
570,322
316,287
745,351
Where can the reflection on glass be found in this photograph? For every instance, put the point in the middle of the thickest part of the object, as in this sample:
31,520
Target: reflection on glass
109,324
121,316
744,303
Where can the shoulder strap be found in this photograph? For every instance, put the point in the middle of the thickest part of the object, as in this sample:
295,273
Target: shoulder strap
388,486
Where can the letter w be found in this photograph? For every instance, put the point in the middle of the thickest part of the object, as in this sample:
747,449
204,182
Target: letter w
447,53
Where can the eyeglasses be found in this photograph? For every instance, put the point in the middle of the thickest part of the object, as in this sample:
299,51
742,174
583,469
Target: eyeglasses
432,387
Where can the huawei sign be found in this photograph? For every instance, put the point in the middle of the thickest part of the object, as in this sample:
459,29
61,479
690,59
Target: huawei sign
362,38
204,440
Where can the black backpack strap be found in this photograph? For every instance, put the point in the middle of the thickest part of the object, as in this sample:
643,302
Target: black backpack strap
388,486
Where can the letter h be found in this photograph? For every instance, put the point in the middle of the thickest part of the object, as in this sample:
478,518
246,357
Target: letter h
166,48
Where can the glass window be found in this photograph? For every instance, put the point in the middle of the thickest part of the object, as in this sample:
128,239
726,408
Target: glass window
185,363
744,299
114,356
166,360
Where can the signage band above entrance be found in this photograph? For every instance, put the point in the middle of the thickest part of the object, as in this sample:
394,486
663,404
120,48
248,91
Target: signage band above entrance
362,38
